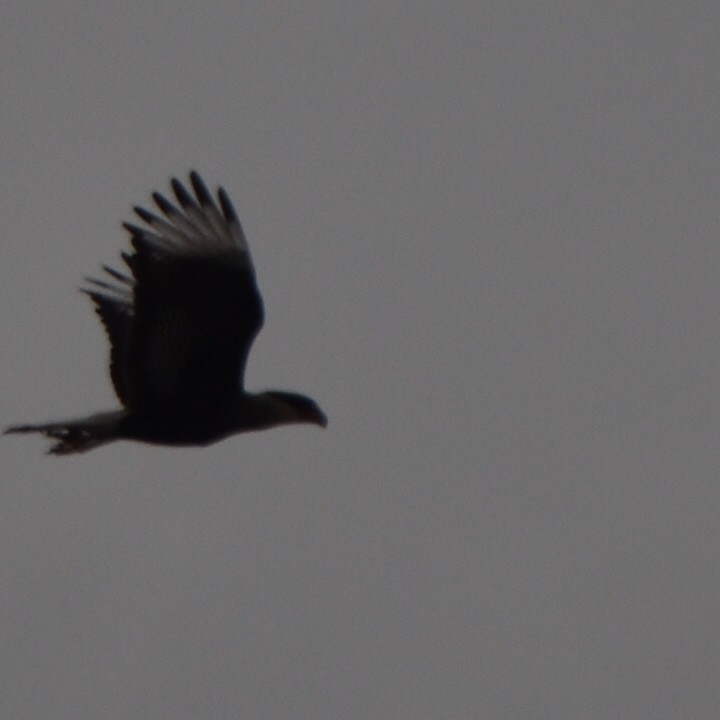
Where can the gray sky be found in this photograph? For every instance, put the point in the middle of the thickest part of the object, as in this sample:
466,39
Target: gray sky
487,238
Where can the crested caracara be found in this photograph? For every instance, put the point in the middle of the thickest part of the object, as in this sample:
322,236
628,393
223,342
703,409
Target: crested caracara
181,321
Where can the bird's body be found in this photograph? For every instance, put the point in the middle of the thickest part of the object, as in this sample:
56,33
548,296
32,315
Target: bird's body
181,325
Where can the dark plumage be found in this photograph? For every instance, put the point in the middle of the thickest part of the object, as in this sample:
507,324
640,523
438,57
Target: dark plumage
181,325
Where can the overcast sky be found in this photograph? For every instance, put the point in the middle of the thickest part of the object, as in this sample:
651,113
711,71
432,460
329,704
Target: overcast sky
487,238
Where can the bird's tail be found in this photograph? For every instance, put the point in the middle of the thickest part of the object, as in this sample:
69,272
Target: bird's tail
76,436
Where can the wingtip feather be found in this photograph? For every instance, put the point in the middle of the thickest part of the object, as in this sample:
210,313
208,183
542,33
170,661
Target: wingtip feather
202,193
181,193
145,215
165,205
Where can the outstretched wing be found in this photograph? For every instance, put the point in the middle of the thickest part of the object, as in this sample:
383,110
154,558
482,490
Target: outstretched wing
183,342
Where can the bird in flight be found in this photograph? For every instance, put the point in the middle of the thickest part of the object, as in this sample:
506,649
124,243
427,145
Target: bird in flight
181,321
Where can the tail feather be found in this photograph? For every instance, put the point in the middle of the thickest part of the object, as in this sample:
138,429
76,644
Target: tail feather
76,436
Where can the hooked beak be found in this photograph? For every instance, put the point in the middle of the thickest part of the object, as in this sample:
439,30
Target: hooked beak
319,418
